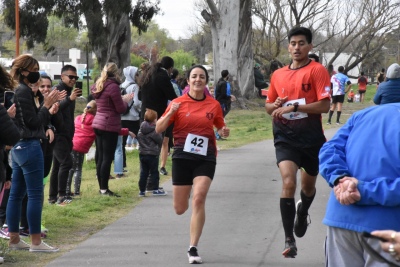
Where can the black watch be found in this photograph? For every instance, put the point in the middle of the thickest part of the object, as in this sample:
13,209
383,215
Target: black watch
296,106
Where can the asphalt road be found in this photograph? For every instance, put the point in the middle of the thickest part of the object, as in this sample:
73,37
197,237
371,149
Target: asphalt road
243,225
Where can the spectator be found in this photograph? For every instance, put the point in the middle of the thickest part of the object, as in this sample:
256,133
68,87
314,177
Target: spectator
27,155
194,160
223,92
350,96
338,82
149,150
391,243
84,137
380,77
331,70
62,160
362,86
389,90
365,195
107,122
314,57
259,79
132,119
298,135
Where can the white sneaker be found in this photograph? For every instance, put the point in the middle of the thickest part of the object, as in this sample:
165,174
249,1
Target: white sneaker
43,247
21,245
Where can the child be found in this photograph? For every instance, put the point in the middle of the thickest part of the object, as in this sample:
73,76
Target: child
149,150
84,137
350,96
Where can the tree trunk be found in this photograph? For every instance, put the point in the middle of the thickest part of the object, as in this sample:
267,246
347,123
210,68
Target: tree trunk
232,50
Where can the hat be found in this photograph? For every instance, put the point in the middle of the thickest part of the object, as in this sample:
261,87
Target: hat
393,72
257,65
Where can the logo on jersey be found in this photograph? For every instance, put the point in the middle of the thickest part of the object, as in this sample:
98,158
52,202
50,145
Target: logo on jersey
305,87
210,115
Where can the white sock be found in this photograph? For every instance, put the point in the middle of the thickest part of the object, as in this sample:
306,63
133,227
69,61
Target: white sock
103,190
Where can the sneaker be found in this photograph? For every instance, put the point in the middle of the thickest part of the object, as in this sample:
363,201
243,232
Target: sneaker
159,192
23,231
111,177
338,123
21,245
328,123
163,171
4,233
63,201
290,250
125,170
119,176
109,193
52,201
43,247
193,256
300,223
142,194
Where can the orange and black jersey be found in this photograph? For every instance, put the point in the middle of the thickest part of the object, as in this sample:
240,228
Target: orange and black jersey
311,82
196,117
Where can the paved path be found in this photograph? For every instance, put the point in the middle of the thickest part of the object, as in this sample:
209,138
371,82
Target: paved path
243,225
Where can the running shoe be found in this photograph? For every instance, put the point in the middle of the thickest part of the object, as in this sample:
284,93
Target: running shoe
193,256
300,223
142,194
4,233
163,171
109,193
64,200
290,250
42,247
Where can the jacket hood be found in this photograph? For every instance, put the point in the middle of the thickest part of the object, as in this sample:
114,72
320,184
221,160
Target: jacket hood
106,83
129,73
147,127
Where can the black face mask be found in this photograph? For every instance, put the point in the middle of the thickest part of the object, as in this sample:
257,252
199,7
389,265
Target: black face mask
33,76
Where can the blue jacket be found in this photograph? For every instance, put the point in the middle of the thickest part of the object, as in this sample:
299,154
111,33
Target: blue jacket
388,92
367,147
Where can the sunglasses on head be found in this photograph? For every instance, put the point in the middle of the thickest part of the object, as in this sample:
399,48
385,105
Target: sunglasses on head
72,77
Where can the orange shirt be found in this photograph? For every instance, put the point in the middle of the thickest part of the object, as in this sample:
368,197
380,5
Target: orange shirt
196,117
311,82
362,83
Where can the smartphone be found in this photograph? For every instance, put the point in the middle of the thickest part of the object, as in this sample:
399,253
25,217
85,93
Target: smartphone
8,99
368,235
78,84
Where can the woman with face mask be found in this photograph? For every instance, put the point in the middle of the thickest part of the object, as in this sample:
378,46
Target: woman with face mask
27,155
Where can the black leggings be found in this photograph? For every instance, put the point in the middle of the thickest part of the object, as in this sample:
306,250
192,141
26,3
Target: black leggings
106,143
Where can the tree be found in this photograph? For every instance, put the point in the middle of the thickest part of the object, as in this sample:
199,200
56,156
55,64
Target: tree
107,22
230,23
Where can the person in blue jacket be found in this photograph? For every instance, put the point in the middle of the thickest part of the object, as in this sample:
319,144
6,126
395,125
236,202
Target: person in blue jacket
389,90
361,163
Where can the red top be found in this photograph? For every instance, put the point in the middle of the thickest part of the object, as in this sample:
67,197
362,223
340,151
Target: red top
84,134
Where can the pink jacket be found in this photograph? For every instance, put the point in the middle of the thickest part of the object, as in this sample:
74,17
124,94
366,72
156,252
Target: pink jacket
84,134
110,106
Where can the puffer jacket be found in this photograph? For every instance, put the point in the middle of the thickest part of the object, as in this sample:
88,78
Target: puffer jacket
84,134
149,141
110,106
131,87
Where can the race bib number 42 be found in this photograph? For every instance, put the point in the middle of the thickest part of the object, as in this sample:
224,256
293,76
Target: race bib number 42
196,144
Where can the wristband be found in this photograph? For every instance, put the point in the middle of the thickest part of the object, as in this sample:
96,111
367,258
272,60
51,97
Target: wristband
296,106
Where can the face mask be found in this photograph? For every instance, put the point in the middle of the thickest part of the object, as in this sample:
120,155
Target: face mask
33,76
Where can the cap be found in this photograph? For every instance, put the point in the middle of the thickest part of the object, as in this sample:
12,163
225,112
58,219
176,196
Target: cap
393,72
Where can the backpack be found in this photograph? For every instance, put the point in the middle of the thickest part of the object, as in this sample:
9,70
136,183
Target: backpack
123,92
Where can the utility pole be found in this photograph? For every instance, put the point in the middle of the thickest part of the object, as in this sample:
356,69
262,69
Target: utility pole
16,28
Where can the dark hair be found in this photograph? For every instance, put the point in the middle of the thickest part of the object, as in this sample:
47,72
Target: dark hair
22,62
7,82
340,69
224,73
314,56
167,62
67,68
194,67
182,82
174,74
301,31
362,73
383,70
46,77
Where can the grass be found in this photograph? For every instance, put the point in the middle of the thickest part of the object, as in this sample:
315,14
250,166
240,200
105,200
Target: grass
74,223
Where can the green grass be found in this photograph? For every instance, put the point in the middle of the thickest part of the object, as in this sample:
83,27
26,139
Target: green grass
72,224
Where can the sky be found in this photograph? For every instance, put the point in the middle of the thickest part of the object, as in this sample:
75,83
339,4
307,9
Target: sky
178,17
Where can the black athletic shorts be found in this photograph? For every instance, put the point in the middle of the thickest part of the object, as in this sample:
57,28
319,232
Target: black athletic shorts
361,91
185,170
337,99
306,158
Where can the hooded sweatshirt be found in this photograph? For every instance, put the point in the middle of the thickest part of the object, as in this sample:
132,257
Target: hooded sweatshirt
131,87
149,141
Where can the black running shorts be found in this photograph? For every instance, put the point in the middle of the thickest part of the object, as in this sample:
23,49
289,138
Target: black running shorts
185,170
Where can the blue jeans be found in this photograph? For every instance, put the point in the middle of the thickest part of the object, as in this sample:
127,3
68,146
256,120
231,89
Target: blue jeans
119,157
148,165
27,177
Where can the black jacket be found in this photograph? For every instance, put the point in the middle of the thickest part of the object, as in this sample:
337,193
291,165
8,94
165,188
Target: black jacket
221,92
29,119
67,109
156,93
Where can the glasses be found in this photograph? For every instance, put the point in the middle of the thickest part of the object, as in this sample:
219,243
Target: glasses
72,77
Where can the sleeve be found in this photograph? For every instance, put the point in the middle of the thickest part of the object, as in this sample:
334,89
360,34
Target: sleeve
32,119
120,105
172,119
157,138
9,133
382,191
378,97
272,94
66,101
321,82
166,86
219,121
137,104
332,156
